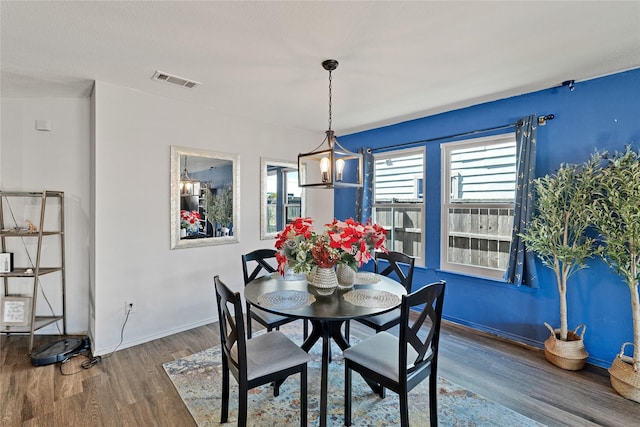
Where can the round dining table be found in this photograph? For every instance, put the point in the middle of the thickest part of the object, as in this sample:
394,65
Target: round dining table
372,294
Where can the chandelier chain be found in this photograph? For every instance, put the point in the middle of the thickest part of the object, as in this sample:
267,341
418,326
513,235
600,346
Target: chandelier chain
330,85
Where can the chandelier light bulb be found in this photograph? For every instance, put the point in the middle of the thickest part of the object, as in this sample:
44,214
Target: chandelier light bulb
324,168
339,169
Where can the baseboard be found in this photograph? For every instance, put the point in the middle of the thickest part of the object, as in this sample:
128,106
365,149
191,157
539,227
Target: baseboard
147,338
516,339
494,333
512,338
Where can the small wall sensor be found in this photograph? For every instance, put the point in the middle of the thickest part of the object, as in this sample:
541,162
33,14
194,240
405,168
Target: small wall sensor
569,84
44,125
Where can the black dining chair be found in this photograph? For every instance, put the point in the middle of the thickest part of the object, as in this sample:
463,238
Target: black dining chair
401,363
266,358
262,259
400,267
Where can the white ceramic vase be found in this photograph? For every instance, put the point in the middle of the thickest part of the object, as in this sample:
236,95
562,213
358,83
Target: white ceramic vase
346,276
325,280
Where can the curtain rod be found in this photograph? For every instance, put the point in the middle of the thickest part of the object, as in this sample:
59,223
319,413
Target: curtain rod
542,120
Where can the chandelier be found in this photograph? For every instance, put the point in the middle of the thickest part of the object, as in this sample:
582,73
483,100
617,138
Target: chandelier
330,165
188,186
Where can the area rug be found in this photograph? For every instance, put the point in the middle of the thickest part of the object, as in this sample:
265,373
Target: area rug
198,379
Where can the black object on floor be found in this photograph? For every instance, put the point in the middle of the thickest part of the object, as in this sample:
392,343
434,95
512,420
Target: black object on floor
58,351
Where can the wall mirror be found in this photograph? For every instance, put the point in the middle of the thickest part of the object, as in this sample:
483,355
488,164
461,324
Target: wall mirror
281,200
204,198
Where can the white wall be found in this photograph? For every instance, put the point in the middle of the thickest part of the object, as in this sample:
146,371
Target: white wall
173,288
32,160
110,155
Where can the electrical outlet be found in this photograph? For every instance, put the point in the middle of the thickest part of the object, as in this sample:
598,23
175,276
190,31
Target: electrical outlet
130,306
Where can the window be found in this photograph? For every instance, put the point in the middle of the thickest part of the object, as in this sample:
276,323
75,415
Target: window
398,203
284,197
479,181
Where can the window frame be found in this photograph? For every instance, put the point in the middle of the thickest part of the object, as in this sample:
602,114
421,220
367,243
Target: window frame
420,258
286,204
446,149
274,173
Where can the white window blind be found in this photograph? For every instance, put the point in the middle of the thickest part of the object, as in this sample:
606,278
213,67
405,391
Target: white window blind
399,178
483,173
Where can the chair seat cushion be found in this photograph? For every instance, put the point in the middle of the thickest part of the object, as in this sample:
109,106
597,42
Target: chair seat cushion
271,352
266,317
387,320
380,354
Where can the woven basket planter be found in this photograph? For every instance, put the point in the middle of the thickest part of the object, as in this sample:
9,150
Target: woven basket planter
569,354
624,379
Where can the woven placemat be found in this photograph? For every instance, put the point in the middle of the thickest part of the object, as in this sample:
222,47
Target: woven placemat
365,278
286,299
372,298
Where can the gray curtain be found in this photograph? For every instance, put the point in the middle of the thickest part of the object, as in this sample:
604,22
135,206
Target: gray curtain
364,194
522,262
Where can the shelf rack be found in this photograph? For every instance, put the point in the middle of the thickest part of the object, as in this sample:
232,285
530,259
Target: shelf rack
36,270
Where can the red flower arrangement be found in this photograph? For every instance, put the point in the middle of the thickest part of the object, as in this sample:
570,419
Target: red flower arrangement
356,241
343,242
294,246
189,220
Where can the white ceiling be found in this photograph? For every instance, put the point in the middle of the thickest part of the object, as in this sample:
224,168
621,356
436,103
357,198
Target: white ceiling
261,60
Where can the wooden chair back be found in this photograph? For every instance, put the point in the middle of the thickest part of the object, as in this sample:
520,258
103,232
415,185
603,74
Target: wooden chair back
231,322
395,259
261,257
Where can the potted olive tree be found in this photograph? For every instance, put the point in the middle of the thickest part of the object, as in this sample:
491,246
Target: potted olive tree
616,212
556,233
219,209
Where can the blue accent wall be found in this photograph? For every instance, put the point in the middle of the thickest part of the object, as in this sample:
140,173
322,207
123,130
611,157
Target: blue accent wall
602,113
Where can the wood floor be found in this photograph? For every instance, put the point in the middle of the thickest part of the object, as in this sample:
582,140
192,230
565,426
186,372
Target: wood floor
131,388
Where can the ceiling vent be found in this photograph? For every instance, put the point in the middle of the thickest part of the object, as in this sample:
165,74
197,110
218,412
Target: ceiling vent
174,80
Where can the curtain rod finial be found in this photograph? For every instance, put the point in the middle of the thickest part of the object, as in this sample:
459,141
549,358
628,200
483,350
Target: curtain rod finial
542,120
